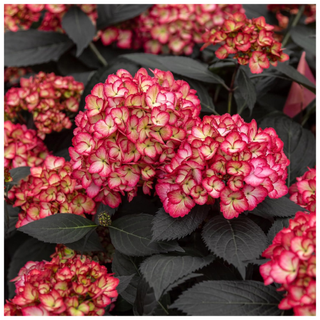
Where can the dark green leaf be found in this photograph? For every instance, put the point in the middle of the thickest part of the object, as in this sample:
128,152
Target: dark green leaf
299,145
304,37
164,227
109,14
229,298
282,207
64,153
83,77
161,271
246,88
146,303
124,282
123,265
29,47
184,66
234,240
131,235
257,10
30,250
102,74
90,242
78,27
18,174
278,225
294,75
59,228
11,218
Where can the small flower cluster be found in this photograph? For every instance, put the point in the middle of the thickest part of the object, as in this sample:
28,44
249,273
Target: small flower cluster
12,75
49,190
251,42
293,264
22,147
309,12
55,12
68,285
7,176
21,16
169,28
224,157
50,98
303,192
131,126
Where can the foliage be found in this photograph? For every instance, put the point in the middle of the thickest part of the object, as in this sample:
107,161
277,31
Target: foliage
133,152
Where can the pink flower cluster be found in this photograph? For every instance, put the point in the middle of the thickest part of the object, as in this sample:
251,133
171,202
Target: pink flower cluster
55,12
21,16
251,42
224,157
22,147
49,190
51,99
131,126
68,285
303,192
13,74
293,264
165,28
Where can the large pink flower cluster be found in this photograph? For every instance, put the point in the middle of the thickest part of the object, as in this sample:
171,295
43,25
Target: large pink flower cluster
21,16
293,264
50,98
303,192
22,147
49,190
68,285
131,126
251,42
165,28
224,157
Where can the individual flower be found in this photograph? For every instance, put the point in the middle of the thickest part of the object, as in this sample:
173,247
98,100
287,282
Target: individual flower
168,28
51,99
69,285
293,264
130,127
224,157
21,16
22,147
251,42
48,190
303,192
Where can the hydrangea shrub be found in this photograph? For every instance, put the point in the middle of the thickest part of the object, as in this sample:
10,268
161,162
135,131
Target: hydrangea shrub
145,176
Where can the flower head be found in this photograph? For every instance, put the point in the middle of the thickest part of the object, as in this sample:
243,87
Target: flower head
251,41
130,127
51,99
224,157
293,264
69,285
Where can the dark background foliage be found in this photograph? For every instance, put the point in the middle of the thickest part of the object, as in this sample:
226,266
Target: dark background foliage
167,266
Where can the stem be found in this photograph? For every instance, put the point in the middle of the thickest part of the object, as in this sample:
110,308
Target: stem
242,108
231,88
98,54
294,23
216,94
